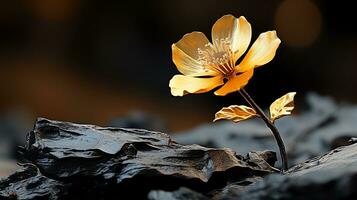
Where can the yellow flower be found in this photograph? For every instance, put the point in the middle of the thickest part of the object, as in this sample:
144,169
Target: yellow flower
205,65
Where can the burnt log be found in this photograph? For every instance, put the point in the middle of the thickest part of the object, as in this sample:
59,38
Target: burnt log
331,176
71,161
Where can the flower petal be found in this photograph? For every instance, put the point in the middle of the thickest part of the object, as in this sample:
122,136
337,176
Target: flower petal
191,42
181,85
187,65
235,83
262,51
238,32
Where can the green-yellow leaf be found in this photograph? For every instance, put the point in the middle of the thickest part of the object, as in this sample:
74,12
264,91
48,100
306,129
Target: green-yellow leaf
282,106
235,113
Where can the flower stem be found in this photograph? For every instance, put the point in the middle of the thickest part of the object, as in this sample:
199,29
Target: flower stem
274,130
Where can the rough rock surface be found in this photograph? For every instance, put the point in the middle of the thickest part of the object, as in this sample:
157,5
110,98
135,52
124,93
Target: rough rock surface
29,183
72,160
331,176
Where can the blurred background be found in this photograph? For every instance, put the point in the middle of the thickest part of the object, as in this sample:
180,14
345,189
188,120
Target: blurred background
91,61
96,61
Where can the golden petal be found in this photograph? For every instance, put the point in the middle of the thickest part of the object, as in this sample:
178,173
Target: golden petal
187,65
242,39
191,42
224,28
181,85
262,51
235,113
282,106
235,83
237,32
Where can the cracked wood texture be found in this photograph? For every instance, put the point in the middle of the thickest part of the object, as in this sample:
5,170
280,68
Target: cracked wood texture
69,161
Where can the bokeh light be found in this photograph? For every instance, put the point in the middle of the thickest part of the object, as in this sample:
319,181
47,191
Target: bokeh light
298,22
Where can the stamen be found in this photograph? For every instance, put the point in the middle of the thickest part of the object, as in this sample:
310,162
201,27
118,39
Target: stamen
218,57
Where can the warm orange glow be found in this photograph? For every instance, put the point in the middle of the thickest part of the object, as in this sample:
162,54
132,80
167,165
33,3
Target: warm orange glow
298,22
205,65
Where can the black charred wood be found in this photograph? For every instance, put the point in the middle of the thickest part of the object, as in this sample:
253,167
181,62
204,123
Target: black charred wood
74,161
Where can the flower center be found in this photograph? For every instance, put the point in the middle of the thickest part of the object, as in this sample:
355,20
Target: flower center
218,57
